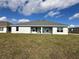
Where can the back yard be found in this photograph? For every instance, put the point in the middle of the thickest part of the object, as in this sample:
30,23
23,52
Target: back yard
22,46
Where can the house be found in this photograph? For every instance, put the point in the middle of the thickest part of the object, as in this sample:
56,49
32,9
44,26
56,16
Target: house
74,30
5,26
39,27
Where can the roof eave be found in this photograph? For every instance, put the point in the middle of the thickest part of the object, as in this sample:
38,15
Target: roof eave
42,25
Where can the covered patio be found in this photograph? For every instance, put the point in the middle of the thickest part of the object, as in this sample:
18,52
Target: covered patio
41,30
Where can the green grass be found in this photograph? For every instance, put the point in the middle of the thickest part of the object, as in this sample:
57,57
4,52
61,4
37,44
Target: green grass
28,46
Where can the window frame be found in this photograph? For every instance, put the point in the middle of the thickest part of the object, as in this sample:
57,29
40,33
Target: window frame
59,29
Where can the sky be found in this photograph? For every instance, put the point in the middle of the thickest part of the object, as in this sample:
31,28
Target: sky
62,11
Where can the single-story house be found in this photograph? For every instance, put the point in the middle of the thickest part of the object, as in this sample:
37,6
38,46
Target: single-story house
39,27
5,27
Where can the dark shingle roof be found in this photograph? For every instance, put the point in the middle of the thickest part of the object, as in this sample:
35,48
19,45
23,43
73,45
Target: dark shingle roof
40,23
4,23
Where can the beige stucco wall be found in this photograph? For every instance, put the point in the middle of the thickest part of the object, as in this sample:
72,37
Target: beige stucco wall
65,30
21,30
4,30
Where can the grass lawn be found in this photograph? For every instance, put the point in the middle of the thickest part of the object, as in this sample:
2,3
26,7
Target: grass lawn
27,46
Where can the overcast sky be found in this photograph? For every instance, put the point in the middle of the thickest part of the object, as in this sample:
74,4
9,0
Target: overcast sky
62,11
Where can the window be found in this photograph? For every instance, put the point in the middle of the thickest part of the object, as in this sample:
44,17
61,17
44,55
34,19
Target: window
47,29
60,29
17,28
34,29
1,28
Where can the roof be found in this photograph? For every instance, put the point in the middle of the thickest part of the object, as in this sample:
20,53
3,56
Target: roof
4,23
40,23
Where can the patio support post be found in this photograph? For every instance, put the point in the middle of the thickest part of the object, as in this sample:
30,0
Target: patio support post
41,30
52,30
